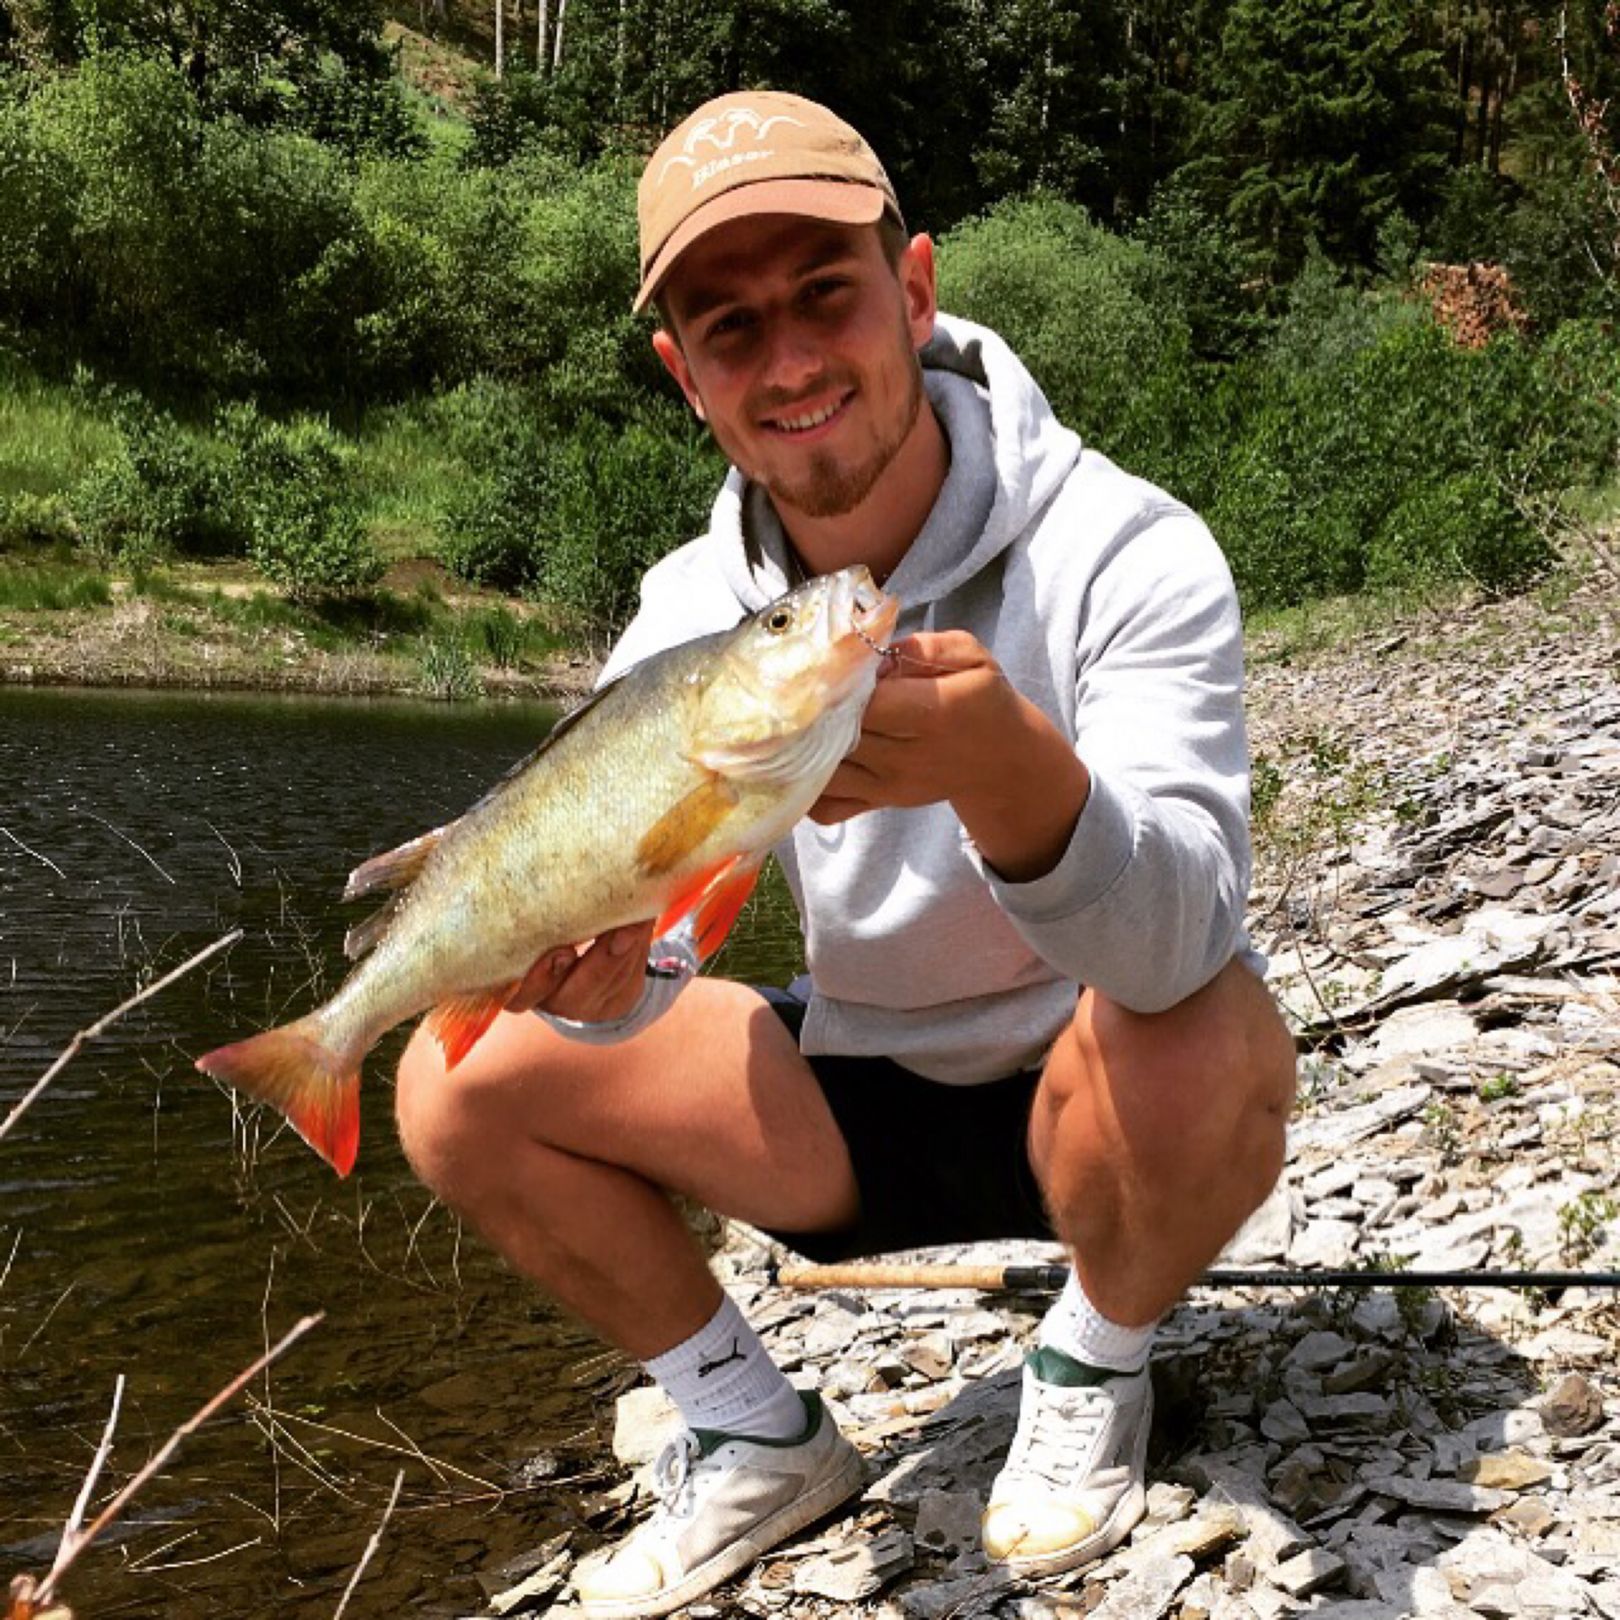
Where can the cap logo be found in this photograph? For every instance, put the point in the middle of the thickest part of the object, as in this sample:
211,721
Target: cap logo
722,135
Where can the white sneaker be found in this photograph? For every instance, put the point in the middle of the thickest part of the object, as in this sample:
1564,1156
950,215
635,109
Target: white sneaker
1072,1486
724,1500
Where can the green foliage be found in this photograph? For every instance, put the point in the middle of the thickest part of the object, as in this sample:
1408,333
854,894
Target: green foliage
501,636
229,52
358,112
1094,317
1581,1224
578,518
50,590
1317,122
31,522
1203,269
160,492
293,481
447,670
1368,448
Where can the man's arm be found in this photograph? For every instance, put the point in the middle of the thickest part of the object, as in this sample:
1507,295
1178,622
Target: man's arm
1120,854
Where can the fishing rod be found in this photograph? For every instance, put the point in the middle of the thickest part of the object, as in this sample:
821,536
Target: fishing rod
1051,1278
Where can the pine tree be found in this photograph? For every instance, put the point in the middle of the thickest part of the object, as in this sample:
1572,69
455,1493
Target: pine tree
1318,121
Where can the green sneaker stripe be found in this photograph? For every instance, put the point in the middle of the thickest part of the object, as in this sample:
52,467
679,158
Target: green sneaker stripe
710,1440
1054,1366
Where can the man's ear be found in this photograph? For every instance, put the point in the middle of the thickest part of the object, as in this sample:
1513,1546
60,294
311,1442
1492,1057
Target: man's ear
669,351
916,272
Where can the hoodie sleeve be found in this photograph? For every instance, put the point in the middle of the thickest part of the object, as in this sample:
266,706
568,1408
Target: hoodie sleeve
1146,903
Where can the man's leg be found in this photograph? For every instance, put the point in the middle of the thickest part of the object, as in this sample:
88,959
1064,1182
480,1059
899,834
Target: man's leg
558,1153
1153,1138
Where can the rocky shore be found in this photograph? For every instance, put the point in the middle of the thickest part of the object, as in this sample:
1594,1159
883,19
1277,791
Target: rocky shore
1439,892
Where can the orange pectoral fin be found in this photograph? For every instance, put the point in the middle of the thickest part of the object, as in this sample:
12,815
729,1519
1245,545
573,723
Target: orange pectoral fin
683,828
458,1024
713,903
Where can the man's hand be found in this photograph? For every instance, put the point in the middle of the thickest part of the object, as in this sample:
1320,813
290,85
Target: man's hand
945,724
593,983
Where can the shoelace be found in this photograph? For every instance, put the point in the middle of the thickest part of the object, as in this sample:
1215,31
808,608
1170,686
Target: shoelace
672,1475
1058,1430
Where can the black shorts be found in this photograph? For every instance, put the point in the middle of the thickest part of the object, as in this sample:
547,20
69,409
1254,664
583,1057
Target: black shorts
935,1163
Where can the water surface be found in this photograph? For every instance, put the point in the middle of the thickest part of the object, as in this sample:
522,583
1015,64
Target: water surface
150,1225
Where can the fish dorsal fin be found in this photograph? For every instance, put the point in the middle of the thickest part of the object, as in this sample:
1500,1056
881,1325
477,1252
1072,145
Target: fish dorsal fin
395,868
557,732
683,827
364,935
398,868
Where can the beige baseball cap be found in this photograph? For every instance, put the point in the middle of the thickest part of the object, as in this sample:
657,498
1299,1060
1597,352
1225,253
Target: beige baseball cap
753,152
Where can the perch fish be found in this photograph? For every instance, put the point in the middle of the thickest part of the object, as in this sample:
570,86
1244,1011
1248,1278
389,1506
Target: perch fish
660,797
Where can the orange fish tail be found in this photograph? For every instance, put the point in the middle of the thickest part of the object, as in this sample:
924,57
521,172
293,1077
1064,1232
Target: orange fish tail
317,1089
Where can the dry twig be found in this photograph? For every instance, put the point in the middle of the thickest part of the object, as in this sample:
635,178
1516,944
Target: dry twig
74,1540
371,1546
102,1024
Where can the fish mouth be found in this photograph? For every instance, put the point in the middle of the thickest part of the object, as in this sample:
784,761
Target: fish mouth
872,611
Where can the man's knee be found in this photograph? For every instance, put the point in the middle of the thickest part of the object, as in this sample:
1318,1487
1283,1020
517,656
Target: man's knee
443,1126
1206,1084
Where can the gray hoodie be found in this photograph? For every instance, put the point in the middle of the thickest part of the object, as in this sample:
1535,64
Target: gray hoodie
1107,604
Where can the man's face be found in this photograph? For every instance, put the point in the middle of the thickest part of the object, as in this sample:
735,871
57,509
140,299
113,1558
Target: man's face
796,341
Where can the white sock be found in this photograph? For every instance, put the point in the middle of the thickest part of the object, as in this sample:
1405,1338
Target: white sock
721,1378
1076,1327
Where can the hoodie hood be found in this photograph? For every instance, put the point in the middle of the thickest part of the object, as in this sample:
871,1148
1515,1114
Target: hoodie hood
1009,456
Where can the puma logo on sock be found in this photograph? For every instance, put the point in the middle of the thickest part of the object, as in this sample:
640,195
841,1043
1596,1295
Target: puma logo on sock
707,1367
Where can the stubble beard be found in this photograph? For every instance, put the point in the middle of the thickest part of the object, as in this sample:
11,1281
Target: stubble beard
832,488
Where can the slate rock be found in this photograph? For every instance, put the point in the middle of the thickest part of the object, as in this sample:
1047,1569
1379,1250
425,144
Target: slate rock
1146,1593
1572,1407
856,1570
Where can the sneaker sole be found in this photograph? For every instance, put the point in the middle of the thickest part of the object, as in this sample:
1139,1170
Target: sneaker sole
771,1532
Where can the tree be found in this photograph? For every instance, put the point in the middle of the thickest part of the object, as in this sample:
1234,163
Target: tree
218,44
1318,121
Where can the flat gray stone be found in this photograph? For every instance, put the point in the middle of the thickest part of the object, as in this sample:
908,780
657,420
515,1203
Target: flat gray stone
1272,1537
1438,1495
948,1522
1308,1572
643,1422
856,1570
1147,1592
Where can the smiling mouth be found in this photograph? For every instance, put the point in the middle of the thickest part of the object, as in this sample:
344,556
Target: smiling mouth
809,421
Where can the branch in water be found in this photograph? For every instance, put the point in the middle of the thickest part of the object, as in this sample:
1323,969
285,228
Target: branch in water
72,1049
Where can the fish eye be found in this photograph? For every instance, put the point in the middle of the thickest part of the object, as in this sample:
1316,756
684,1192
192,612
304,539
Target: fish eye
779,621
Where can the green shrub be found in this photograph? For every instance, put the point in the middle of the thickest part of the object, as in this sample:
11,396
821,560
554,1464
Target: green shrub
1094,317
501,636
31,522
447,670
1406,459
355,111
578,518
160,492
295,484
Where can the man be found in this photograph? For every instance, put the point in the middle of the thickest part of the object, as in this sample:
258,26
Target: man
1032,1009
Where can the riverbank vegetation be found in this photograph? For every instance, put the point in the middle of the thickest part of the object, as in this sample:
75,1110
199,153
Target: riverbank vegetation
313,311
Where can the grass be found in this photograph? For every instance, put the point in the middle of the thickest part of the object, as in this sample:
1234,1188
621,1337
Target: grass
405,475
1280,635
51,588
55,619
48,436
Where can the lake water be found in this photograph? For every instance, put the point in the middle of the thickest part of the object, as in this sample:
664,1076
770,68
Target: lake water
151,1226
